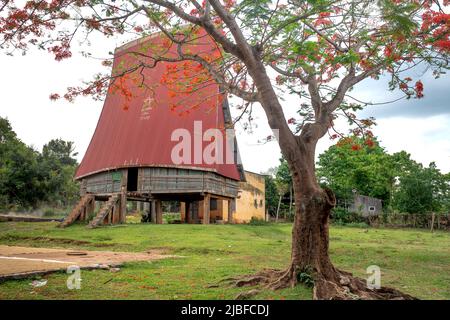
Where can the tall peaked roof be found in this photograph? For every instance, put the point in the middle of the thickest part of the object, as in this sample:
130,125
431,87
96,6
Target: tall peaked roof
140,113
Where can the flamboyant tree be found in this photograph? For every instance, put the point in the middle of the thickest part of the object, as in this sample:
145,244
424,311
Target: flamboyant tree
316,50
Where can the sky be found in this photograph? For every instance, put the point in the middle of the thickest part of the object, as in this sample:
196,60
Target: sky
420,127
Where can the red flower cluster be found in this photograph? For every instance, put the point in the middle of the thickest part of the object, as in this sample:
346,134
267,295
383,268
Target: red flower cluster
419,89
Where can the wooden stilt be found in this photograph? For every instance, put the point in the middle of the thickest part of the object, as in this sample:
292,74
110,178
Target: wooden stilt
152,205
206,213
116,212
183,211
123,206
230,211
82,214
159,212
187,213
89,210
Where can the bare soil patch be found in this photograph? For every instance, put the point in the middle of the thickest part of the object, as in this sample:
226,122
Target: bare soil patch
17,262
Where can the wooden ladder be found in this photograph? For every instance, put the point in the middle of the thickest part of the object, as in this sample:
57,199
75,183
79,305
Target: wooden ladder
77,211
104,211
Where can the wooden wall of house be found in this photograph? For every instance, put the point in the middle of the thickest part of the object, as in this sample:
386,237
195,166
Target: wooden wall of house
170,180
104,182
164,180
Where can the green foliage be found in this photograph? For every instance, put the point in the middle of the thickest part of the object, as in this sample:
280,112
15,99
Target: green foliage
403,184
283,183
399,15
28,177
306,278
60,151
271,195
421,189
258,222
368,170
283,175
341,216
171,217
20,183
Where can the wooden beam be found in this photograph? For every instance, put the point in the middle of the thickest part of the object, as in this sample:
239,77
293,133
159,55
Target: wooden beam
90,208
205,204
123,197
187,212
152,206
123,206
158,210
230,211
116,212
183,211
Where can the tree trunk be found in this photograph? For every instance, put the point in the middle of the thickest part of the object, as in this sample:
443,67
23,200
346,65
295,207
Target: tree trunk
290,200
310,261
313,205
310,230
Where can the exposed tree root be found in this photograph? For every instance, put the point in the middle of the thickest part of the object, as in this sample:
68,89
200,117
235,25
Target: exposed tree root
347,287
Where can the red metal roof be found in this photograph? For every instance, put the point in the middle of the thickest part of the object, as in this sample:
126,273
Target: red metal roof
141,135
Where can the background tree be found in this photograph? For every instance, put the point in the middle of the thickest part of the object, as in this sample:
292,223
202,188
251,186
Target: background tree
283,182
19,184
29,178
271,195
353,165
404,185
421,189
60,150
318,50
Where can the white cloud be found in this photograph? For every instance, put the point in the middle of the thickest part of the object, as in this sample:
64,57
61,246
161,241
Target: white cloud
26,83
427,139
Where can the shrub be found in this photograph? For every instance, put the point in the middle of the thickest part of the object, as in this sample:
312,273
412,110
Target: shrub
258,222
49,212
342,216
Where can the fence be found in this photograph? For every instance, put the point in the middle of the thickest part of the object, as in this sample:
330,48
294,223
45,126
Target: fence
435,221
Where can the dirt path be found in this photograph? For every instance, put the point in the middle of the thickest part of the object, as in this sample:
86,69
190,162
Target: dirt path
17,262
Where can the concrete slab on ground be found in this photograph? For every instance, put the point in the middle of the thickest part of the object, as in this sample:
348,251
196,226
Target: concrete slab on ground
19,262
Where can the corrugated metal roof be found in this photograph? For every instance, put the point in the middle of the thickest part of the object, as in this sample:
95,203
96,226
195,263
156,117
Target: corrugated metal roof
141,135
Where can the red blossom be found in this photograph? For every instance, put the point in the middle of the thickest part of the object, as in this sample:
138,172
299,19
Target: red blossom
370,143
54,96
419,89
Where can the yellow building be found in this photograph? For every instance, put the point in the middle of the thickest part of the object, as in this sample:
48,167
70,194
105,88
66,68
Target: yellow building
251,201
249,204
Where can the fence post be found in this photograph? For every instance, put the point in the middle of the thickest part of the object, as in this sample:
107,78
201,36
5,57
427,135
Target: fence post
432,221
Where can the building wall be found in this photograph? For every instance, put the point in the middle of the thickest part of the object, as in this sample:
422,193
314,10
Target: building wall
158,180
251,200
366,206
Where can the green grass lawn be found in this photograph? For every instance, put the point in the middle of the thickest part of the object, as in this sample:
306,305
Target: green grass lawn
414,261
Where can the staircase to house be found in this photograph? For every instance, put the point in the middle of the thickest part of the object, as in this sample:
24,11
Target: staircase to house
77,211
104,211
